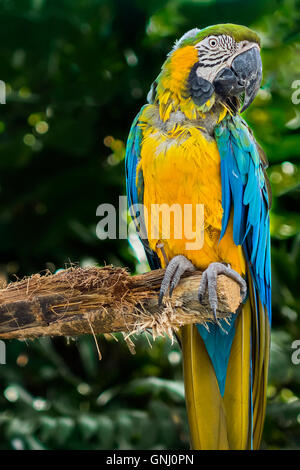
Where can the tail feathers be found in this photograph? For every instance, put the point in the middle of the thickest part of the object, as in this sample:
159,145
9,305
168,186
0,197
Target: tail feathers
237,397
261,352
205,408
234,421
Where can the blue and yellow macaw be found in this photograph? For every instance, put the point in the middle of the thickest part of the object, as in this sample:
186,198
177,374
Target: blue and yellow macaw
189,145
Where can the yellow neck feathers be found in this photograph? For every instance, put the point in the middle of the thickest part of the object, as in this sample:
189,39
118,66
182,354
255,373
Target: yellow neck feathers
172,87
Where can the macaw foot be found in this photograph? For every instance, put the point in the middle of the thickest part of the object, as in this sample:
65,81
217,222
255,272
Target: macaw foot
209,282
176,267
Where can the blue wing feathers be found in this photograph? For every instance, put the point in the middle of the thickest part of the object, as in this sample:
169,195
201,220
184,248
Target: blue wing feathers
248,191
134,190
243,189
131,161
226,195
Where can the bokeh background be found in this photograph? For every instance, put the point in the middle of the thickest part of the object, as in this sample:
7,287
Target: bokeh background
76,73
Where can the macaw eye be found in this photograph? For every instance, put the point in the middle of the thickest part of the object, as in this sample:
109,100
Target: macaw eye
213,42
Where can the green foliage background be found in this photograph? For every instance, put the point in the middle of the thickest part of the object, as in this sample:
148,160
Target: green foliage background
77,72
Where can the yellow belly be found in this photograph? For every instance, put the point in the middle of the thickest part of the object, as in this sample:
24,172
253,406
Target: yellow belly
187,173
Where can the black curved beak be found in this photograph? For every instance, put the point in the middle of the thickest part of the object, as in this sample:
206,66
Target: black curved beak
244,75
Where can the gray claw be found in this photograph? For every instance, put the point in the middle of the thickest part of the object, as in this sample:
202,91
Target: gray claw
215,317
209,282
176,267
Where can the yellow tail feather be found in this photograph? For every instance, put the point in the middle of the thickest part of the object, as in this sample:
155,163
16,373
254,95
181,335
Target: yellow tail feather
204,403
218,422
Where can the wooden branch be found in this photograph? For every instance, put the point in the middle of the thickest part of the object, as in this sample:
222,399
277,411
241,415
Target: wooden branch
94,300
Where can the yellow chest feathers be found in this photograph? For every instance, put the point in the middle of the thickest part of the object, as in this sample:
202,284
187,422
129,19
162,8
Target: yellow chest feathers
182,167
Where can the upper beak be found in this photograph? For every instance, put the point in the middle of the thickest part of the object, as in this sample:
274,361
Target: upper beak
244,75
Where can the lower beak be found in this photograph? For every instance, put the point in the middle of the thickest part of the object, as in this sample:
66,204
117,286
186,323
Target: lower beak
244,75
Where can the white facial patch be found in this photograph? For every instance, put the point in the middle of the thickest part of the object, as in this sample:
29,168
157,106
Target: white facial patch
217,52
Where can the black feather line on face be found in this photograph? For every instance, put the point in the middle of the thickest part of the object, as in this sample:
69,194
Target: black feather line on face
198,88
202,64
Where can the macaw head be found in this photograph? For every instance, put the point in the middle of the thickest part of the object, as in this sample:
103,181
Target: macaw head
219,63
